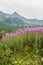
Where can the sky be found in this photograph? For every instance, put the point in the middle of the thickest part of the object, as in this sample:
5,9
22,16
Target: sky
27,8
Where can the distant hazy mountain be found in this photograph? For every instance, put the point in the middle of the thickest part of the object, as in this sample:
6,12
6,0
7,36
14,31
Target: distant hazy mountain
16,20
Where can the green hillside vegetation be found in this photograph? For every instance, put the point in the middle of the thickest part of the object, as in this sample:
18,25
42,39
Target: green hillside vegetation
22,50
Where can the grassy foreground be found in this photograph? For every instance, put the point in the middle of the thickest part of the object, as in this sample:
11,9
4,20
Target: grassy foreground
23,49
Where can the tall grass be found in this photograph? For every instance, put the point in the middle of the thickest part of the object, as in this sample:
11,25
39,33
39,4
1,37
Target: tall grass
24,48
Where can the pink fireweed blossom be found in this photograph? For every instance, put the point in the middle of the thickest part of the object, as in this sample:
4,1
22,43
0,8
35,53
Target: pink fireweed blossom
27,30
7,35
14,34
11,34
22,31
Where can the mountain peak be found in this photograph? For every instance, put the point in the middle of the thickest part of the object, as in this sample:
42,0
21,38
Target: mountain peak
16,14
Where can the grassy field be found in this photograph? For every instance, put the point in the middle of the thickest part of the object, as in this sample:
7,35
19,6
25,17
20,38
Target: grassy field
22,47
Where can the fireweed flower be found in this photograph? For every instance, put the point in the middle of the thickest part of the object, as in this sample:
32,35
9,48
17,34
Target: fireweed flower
22,31
15,34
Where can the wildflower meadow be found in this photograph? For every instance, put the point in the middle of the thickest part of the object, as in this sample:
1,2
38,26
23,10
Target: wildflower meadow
22,47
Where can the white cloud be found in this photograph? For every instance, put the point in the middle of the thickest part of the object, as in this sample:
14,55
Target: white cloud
27,8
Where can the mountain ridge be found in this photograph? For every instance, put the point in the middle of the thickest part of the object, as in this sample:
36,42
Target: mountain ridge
15,19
